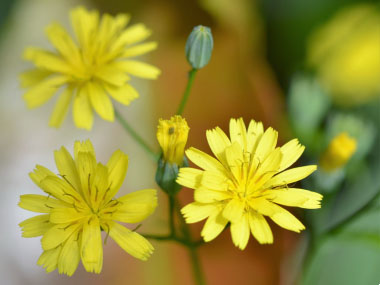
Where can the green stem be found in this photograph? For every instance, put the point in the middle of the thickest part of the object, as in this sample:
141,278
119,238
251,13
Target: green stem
171,215
186,95
135,136
192,247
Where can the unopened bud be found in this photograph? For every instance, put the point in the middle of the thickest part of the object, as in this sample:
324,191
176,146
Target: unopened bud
199,47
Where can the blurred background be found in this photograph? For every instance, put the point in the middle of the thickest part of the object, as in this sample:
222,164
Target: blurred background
310,69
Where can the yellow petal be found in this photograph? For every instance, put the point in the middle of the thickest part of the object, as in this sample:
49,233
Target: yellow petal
139,49
290,176
195,212
124,94
100,101
133,34
260,228
254,133
61,108
238,132
99,186
91,246
204,195
39,174
65,215
35,226
61,190
86,164
39,203
218,142
47,60
136,206
295,197
117,169
49,259
66,167
266,144
214,181
240,232
83,146
43,91
139,69
204,160
82,111
235,160
214,225
57,234
69,257
291,152
279,215
234,210
31,77
63,42
189,177
133,243
112,74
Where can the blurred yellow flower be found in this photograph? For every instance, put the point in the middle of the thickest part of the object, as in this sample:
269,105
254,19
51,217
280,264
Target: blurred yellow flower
245,183
79,205
172,136
338,152
89,69
345,53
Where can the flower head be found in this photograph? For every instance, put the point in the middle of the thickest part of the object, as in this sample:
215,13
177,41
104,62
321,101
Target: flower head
338,152
247,181
79,204
88,69
172,136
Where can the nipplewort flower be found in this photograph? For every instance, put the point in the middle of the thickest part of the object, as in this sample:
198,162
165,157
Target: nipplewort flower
247,181
79,204
88,69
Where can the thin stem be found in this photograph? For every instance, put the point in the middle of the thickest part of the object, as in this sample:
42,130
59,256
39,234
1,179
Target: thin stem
186,95
171,215
195,263
135,136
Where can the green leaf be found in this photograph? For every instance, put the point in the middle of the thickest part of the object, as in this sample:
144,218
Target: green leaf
339,261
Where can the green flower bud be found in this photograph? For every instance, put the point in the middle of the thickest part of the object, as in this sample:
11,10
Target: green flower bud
166,175
199,46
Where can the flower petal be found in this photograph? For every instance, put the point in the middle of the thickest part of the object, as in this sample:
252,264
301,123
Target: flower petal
117,170
139,49
100,101
139,69
295,197
57,235
214,225
61,108
46,60
65,215
290,176
69,257
204,195
266,144
195,212
82,111
189,177
39,174
124,94
66,167
49,259
133,243
35,226
31,77
238,132
91,246
260,228
254,133
291,152
234,209
240,232
39,203
218,142
41,92
204,160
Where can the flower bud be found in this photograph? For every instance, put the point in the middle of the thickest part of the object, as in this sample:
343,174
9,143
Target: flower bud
199,46
338,152
172,136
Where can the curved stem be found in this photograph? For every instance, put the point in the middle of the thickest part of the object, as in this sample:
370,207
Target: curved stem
186,95
135,136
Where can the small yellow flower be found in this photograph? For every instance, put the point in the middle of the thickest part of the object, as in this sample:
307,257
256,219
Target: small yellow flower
338,152
246,182
172,136
345,53
88,69
79,205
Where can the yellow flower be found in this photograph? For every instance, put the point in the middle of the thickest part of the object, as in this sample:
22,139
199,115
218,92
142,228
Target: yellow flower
88,69
79,205
345,53
338,152
172,136
246,182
